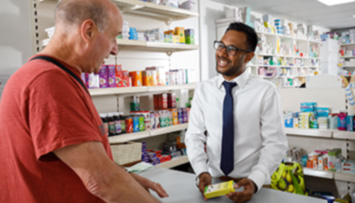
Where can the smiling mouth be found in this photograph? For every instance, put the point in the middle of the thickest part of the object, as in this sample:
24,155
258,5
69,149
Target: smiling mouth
222,62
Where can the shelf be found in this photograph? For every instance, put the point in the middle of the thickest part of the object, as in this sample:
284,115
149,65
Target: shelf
117,90
165,13
347,67
169,129
347,57
338,134
347,177
154,10
174,162
318,173
155,46
171,87
142,89
309,132
128,137
146,46
288,37
352,44
147,133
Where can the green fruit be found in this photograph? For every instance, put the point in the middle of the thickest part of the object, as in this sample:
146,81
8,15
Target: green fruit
283,175
282,184
290,188
273,176
289,177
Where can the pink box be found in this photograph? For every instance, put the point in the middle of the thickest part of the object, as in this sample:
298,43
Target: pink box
103,77
111,75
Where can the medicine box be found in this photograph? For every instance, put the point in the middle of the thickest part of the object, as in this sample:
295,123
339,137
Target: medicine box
219,189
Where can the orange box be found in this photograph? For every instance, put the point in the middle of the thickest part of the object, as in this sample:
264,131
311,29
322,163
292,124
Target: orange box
147,78
168,32
174,114
136,78
119,76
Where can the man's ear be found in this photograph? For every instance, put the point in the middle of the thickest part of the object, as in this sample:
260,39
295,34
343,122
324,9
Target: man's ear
88,30
248,57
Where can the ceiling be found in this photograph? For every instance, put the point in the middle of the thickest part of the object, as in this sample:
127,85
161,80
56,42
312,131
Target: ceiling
307,11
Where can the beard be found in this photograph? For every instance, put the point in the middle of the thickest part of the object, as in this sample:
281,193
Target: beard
234,69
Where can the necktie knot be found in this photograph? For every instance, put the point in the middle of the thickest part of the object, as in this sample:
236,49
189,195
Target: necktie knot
229,86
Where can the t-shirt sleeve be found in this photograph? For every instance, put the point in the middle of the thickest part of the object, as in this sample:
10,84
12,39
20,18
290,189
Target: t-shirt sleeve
58,114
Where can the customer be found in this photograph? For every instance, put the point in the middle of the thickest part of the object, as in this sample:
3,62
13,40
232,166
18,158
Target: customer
52,144
235,133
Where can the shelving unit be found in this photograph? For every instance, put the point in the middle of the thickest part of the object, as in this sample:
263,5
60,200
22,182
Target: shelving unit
142,89
147,46
347,62
309,132
161,12
329,133
177,161
148,133
347,177
294,68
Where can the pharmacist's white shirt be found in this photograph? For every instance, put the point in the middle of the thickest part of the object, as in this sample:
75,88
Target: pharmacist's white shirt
259,139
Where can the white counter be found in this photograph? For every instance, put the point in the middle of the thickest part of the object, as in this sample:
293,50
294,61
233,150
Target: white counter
181,188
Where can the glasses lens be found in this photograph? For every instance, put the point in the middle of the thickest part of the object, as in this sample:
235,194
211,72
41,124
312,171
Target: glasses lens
231,50
218,45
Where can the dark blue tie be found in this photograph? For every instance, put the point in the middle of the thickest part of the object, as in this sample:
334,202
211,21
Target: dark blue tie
227,156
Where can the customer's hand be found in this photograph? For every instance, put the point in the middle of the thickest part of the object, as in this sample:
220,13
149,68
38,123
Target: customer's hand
205,179
246,194
148,184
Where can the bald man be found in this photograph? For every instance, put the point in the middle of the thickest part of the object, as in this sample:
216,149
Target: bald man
52,144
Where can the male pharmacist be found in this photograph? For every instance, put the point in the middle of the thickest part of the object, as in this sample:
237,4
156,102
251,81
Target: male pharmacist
52,144
235,128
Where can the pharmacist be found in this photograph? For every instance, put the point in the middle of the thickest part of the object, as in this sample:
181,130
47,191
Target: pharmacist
235,128
51,145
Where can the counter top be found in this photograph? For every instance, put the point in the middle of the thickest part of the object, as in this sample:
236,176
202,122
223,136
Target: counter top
181,188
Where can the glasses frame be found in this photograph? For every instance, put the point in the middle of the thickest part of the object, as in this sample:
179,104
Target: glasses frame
228,48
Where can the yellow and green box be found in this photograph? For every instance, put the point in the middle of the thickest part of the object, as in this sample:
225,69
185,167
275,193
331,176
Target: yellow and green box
219,189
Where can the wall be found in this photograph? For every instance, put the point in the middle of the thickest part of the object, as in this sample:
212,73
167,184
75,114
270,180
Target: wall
15,37
209,12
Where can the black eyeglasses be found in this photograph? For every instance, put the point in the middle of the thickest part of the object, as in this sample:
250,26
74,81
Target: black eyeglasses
231,50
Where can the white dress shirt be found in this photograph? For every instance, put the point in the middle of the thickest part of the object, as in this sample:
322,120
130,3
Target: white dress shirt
259,139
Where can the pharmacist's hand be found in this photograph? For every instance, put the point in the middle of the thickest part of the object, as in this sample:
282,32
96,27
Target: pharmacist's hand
148,184
246,194
205,179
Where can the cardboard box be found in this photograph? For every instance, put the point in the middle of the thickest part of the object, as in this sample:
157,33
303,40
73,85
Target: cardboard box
219,189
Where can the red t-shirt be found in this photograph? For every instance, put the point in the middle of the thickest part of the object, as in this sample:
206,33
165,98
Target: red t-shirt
43,109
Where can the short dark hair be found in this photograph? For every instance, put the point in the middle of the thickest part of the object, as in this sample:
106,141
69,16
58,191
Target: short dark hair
252,37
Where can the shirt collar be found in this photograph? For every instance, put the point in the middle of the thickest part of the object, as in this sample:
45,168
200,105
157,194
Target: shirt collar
241,80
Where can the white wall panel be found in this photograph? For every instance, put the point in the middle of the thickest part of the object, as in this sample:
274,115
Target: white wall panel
291,98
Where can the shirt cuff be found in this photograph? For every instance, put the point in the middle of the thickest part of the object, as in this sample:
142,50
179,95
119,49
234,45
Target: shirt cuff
200,168
258,178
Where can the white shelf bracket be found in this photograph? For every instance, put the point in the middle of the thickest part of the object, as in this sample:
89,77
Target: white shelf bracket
168,21
131,8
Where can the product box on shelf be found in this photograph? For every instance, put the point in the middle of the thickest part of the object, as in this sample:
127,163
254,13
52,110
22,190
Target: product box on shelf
160,101
189,36
119,76
125,153
103,76
136,78
111,76
334,159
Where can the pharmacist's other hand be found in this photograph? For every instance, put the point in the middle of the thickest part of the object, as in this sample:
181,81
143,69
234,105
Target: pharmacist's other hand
244,195
148,184
205,179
